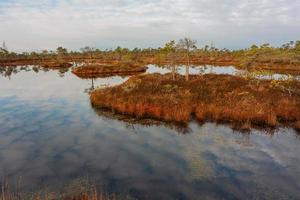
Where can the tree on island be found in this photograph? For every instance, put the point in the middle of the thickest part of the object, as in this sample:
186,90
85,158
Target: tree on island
4,47
61,52
3,50
88,51
187,45
170,50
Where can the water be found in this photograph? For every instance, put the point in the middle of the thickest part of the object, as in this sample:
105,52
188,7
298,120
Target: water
50,136
230,70
204,69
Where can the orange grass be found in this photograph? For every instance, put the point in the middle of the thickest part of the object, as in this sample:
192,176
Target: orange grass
219,98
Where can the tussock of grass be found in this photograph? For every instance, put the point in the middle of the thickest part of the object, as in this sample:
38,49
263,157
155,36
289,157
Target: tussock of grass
96,70
220,98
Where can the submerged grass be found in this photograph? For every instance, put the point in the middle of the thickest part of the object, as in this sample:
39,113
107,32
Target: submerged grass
80,189
220,98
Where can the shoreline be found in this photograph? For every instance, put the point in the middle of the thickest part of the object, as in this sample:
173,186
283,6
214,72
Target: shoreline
285,68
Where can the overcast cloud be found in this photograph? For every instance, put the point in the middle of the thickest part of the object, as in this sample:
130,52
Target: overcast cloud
46,24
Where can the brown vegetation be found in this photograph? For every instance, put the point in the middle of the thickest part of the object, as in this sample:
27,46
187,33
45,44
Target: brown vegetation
221,98
92,71
278,59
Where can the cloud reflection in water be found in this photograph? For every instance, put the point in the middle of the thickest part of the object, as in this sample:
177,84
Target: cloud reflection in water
50,136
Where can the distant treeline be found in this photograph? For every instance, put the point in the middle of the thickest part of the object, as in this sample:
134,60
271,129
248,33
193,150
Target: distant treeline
183,51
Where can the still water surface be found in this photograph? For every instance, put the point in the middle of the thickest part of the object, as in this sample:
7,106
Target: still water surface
231,70
50,136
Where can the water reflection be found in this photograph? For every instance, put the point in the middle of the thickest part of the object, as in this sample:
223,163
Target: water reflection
130,121
51,136
196,70
211,69
9,71
105,82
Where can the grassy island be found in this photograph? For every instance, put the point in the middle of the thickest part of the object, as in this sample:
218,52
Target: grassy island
241,101
51,63
98,70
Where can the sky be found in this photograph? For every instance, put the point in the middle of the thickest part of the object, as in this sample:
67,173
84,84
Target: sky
27,25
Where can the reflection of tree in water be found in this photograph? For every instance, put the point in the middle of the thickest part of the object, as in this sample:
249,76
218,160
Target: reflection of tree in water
8,71
35,69
132,121
90,89
107,79
62,71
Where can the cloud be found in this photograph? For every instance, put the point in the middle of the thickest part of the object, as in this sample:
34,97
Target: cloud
35,25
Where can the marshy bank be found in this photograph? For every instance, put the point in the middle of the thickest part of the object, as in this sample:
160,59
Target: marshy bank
221,98
48,63
272,63
281,59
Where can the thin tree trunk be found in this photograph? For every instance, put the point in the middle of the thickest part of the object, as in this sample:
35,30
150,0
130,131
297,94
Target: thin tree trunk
173,71
187,68
93,84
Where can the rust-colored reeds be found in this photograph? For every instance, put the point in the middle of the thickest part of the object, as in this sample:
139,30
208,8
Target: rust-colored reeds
220,98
